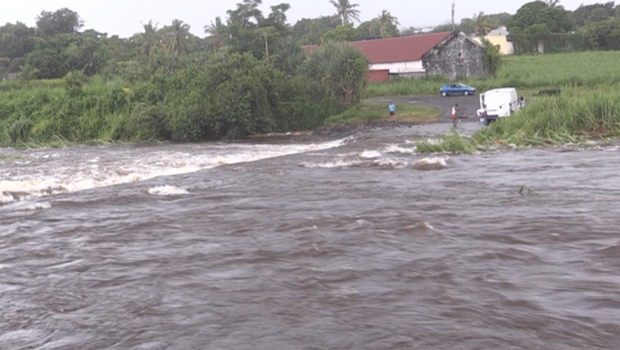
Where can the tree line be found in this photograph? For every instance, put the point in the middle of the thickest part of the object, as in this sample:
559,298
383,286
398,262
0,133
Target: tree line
57,44
548,24
250,75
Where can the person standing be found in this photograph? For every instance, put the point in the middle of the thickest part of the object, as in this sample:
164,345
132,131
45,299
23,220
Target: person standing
482,115
455,109
392,110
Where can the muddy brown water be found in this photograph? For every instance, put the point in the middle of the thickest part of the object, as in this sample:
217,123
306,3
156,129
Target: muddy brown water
358,243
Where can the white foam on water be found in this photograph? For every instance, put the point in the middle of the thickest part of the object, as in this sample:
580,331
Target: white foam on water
26,206
339,163
370,154
345,293
398,149
391,162
167,191
6,198
52,171
433,141
431,163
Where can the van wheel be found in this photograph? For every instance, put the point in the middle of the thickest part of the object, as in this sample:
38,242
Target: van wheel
466,93
444,94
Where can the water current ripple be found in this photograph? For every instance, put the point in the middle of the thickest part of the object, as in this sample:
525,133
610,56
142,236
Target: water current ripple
288,246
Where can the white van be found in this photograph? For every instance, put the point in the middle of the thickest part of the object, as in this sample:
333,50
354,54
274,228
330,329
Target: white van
499,103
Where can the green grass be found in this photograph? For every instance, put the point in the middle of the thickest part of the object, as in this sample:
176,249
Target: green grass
17,84
369,111
528,73
45,113
453,143
577,116
9,157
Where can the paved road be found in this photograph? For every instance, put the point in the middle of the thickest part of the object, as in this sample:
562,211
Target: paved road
468,105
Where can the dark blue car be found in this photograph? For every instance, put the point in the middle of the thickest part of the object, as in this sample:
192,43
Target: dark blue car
456,89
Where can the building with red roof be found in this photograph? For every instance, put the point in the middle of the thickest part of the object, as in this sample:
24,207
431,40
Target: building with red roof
449,54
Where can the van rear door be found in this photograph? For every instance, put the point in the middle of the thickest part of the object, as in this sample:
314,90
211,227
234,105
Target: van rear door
498,104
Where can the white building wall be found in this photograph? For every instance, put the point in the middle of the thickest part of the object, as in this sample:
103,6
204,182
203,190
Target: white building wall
400,67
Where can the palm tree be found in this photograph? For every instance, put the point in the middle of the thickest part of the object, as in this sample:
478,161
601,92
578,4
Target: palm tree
28,72
481,23
552,3
386,21
179,34
150,38
346,11
278,14
246,12
217,31
265,33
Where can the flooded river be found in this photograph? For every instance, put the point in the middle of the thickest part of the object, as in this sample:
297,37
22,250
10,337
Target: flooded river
304,243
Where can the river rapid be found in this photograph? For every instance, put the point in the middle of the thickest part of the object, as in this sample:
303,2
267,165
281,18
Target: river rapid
308,243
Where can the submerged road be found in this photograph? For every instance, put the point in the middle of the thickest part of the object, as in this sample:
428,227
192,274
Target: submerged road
468,105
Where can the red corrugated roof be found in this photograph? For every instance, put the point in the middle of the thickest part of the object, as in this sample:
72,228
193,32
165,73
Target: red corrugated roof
398,49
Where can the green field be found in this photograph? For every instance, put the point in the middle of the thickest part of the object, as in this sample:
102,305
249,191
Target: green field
367,112
528,73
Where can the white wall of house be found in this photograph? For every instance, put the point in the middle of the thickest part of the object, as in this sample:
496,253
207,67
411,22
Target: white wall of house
400,67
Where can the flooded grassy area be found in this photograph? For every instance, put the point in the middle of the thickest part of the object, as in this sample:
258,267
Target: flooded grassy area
376,111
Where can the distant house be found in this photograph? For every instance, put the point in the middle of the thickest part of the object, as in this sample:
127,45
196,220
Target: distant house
10,76
451,54
501,38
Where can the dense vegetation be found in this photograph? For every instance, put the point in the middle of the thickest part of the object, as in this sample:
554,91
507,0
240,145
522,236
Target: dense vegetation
250,74
547,26
227,96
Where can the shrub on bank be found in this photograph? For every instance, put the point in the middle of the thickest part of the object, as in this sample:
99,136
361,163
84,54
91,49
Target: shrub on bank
573,116
231,96
576,116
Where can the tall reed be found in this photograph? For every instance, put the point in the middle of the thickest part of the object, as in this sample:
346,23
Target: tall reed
574,116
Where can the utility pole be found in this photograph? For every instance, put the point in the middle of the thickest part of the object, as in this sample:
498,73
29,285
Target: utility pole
453,5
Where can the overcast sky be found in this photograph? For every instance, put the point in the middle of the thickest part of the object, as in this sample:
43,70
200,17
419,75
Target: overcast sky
124,17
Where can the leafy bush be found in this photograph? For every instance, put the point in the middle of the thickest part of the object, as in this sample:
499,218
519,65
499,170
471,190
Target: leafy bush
228,96
304,105
19,130
341,68
232,97
493,59
146,122
74,79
